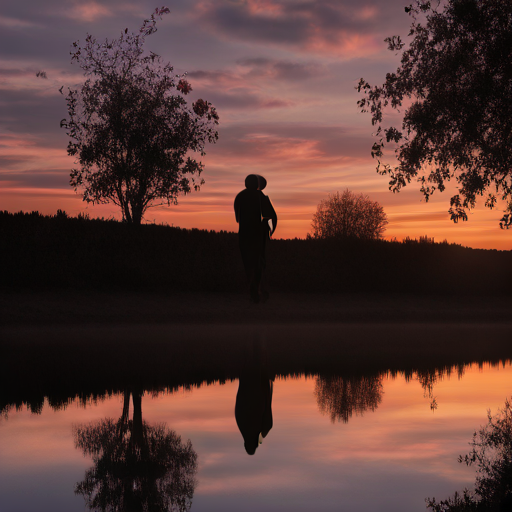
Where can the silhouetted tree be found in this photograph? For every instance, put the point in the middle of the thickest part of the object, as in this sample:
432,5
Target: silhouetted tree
455,85
130,126
349,215
341,398
492,453
137,467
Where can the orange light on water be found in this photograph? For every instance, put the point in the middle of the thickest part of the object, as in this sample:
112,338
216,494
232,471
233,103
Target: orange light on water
398,446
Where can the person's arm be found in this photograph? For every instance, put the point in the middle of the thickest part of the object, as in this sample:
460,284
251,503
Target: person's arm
237,208
269,213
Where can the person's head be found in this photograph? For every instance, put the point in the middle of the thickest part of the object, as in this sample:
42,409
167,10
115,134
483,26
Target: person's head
252,442
250,446
255,182
252,182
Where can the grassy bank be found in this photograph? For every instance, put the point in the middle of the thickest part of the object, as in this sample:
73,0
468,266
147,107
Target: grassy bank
56,252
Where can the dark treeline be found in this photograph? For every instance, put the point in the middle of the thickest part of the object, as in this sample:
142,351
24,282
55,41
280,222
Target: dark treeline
60,251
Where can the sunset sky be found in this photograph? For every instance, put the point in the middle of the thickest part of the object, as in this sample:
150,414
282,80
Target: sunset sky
282,75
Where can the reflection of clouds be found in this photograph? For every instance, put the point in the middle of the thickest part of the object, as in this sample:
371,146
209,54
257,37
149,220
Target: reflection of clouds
310,462
341,398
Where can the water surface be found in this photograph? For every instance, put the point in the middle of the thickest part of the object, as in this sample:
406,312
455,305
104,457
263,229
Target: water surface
381,440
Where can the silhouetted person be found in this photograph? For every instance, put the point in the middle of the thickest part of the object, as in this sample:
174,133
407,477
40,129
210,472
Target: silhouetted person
253,211
253,408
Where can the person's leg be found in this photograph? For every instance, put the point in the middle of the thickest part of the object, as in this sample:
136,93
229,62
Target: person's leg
256,283
262,263
249,249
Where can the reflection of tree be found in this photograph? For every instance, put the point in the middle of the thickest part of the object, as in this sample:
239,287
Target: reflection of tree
340,398
137,467
492,453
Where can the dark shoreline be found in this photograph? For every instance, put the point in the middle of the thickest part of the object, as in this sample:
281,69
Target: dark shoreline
61,362
84,307
67,344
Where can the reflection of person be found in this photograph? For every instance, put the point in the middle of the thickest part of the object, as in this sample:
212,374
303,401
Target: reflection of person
253,408
257,221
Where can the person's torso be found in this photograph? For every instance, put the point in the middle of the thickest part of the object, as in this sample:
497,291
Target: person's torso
248,204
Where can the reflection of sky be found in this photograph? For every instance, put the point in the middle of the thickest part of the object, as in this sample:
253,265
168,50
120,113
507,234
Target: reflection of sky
282,76
390,459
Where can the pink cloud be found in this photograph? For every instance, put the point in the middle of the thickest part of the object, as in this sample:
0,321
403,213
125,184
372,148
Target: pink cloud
369,12
88,11
344,45
264,8
323,27
9,22
269,146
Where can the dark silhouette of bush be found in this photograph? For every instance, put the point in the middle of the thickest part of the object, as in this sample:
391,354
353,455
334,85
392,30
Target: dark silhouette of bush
349,215
492,454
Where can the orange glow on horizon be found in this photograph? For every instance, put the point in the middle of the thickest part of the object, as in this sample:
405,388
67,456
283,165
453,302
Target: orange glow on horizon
482,231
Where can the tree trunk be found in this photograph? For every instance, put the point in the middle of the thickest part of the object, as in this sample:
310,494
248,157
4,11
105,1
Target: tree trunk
137,419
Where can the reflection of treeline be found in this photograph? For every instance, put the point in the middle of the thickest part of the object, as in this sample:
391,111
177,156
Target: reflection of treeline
339,395
59,251
90,361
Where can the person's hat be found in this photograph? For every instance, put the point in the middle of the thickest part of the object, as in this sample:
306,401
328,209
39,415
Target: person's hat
262,182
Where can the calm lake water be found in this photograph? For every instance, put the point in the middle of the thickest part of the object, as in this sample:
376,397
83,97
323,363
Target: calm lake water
378,442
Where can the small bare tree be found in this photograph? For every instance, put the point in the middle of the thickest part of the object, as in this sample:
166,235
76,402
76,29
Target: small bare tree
349,215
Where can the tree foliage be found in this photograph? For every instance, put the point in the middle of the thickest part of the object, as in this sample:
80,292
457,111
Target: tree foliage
492,454
455,85
349,215
131,129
